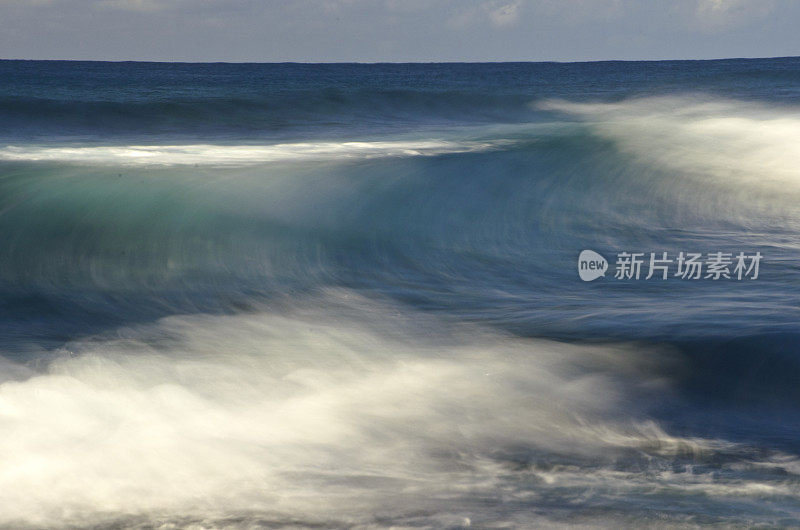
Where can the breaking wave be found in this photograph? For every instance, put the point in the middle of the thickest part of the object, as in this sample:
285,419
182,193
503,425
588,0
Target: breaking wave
344,411
235,154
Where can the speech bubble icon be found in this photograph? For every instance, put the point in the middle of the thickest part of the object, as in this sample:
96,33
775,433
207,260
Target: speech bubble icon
591,265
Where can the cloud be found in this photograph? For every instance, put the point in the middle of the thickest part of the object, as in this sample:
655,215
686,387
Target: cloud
499,14
718,6
504,14
714,15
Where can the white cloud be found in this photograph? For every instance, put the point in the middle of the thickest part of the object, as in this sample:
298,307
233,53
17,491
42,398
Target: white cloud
504,14
498,13
719,14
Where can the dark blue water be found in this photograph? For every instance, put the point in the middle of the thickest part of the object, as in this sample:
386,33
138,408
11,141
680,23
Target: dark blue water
342,295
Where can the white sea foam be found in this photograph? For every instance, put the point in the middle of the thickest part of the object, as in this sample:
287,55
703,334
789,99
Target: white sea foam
344,416
725,141
207,154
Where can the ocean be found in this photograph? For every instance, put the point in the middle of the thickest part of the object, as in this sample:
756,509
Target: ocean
348,295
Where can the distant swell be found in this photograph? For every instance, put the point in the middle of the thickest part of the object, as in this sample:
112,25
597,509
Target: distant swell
265,114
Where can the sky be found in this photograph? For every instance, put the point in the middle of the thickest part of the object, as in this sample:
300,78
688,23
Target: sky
397,30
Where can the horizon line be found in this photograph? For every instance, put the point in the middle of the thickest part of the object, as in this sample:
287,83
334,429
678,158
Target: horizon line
406,62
